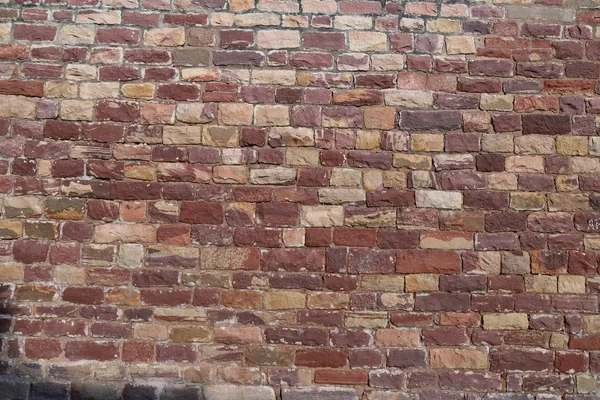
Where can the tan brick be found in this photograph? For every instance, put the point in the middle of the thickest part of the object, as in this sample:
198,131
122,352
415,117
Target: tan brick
321,216
458,358
328,301
5,32
572,145
69,274
352,22
382,283
397,338
17,107
367,41
541,283
443,25
235,113
108,233
426,142
460,45
165,37
229,174
60,89
505,322
284,299
138,90
275,115
571,284
408,98
190,334
76,110
11,272
371,320
272,176
378,117
11,229
345,177
496,102
274,77
278,39
76,34
182,135
591,323
413,161
302,156
99,90
422,283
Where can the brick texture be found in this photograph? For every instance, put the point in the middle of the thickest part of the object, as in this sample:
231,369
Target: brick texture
299,199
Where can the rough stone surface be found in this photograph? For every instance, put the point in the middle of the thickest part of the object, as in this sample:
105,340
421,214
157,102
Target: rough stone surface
299,199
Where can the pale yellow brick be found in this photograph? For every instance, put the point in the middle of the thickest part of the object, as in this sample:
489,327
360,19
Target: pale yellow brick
534,144
368,41
395,179
572,145
138,90
17,107
99,90
257,19
413,161
345,177
470,359
222,19
442,25
69,274
422,283
235,113
497,143
80,72
284,299
328,300
387,62
11,272
76,110
591,323
182,134
571,284
221,136
372,179
505,322
371,320
241,5
5,32
368,140
278,39
496,102
460,45
321,216
382,283
567,183
528,164
352,22
272,115
274,77
99,17
426,142
76,34
541,283
60,89
397,338
302,156
165,37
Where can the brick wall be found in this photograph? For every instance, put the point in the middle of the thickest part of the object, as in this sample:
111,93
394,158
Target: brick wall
316,199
